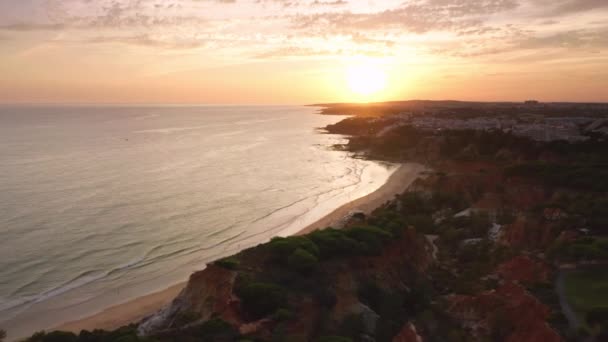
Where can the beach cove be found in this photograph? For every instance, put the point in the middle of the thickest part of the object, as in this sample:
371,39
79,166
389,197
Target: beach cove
131,201
135,310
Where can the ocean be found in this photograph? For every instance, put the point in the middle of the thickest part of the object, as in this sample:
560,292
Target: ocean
102,204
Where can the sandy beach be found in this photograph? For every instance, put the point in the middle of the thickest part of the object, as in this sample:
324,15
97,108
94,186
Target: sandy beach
397,183
136,309
126,313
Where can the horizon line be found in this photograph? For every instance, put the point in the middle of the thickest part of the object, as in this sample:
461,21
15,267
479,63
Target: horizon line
314,104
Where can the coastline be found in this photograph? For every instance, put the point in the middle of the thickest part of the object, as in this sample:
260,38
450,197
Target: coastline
138,308
397,183
126,313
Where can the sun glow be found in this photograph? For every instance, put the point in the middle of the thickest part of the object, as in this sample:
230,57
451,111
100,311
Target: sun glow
365,78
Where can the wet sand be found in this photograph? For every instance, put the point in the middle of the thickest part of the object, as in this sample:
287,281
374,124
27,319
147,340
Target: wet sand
123,314
397,183
135,310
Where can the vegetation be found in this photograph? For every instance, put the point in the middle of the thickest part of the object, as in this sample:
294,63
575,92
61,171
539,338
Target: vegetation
586,289
125,334
229,263
334,339
582,249
217,329
302,261
597,320
303,253
587,177
262,299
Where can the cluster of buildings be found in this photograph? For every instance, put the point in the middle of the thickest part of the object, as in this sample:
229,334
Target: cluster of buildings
533,126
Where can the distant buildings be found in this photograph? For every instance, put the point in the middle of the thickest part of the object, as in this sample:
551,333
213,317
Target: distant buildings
540,129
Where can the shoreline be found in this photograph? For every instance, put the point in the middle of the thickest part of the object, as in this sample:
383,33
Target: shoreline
397,183
138,308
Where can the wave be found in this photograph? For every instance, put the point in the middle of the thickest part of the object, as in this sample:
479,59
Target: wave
82,279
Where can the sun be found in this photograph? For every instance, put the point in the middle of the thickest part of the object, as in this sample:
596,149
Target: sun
365,78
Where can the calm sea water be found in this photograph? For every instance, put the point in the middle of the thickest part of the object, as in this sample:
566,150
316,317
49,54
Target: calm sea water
99,205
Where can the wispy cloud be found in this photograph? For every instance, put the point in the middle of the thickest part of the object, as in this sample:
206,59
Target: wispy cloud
148,41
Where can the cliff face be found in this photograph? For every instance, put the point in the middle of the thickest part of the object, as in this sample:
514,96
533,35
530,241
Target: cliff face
213,292
508,313
529,233
524,269
408,334
208,293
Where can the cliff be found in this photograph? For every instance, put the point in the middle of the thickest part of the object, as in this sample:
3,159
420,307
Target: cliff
319,302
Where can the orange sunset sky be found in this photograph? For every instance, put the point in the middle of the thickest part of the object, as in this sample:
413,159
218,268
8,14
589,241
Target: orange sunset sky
296,52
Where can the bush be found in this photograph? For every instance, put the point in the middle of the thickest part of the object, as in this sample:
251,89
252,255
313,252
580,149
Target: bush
2,335
414,203
302,261
217,328
334,339
229,263
55,336
282,315
262,299
326,296
597,316
283,247
372,238
581,249
123,334
334,243
422,223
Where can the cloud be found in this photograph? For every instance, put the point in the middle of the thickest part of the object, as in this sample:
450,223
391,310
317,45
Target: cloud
329,3
470,29
294,51
510,40
32,27
415,17
566,7
112,14
148,41
360,38
574,39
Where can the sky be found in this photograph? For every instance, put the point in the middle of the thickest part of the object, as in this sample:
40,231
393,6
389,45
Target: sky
298,52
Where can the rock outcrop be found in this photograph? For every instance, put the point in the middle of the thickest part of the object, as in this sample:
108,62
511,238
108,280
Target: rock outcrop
524,269
208,293
408,334
509,313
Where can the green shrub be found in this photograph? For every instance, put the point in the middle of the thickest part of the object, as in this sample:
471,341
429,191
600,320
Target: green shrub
262,299
422,223
55,336
128,338
216,328
597,316
334,339
282,315
372,238
302,261
283,247
229,263
335,243
396,227
326,296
